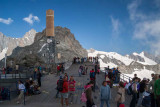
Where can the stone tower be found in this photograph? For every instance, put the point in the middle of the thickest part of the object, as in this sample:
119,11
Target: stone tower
49,22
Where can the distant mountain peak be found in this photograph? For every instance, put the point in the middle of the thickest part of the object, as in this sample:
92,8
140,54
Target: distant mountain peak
91,50
12,43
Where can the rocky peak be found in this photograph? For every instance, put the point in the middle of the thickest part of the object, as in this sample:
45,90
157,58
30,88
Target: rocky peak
68,48
11,43
91,50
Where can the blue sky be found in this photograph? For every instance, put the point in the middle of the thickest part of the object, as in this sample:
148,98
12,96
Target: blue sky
122,26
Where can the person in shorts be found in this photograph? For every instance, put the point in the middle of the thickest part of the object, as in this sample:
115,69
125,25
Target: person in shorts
64,92
72,83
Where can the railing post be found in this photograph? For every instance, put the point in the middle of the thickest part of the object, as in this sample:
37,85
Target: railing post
5,75
24,97
123,77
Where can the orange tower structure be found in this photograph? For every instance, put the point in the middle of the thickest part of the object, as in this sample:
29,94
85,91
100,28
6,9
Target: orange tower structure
50,23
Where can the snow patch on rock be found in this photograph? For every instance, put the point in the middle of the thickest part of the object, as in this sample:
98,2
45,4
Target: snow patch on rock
2,54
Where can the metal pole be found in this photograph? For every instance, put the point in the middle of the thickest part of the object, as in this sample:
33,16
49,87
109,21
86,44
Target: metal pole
5,63
24,98
55,54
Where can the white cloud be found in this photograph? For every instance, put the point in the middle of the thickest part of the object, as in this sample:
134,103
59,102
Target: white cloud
135,15
6,21
146,26
31,19
115,26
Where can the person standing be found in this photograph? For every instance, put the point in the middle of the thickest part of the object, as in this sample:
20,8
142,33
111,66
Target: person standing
120,97
59,85
64,92
95,68
134,92
93,78
151,90
105,94
142,89
86,69
72,83
157,90
110,76
27,86
35,73
80,71
58,70
88,91
39,75
21,88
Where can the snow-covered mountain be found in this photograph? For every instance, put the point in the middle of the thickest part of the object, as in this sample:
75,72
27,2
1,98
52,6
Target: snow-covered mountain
7,44
129,64
117,59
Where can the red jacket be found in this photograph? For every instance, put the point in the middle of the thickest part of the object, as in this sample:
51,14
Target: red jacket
72,88
94,77
58,68
65,87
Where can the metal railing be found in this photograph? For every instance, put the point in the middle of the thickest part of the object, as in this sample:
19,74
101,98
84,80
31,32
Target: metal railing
124,78
23,74
14,76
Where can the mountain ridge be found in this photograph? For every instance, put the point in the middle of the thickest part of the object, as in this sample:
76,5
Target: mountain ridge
12,43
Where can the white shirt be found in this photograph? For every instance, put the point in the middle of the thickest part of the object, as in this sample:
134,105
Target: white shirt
21,87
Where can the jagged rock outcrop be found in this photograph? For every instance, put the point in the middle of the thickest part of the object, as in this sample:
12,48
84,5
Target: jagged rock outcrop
11,43
42,52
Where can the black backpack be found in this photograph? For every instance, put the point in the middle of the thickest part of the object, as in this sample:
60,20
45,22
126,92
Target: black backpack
142,87
60,85
130,91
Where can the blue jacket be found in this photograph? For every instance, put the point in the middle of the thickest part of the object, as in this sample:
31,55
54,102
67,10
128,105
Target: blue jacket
105,93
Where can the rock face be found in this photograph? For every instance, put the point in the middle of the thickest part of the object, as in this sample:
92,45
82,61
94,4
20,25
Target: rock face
42,50
11,43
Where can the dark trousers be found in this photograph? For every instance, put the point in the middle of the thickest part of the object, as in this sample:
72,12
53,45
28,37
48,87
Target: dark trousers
158,100
89,103
118,104
94,85
152,100
134,99
39,82
57,94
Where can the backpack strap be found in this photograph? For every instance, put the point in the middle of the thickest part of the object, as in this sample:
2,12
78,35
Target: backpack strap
119,93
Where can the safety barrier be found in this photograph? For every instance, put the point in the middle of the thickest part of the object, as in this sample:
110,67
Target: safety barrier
124,78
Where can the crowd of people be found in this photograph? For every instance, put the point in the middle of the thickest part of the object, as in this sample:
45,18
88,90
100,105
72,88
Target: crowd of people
77,60
144,92
112,76
66,89
30,87
82,70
